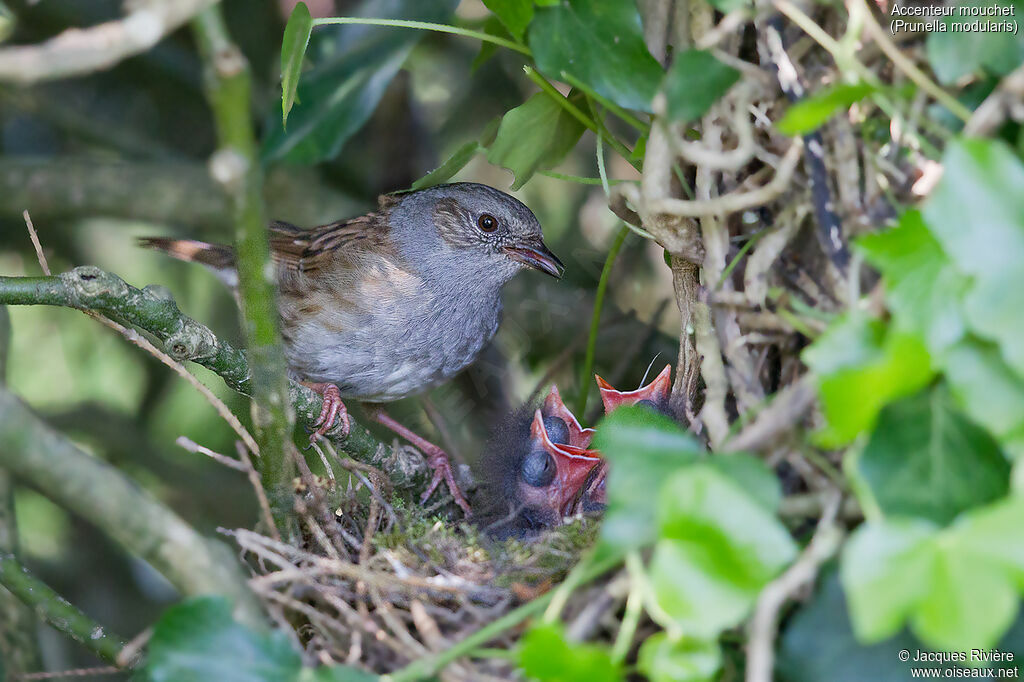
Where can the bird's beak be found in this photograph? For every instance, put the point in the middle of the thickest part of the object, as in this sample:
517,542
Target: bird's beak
537,256
573,466
655,394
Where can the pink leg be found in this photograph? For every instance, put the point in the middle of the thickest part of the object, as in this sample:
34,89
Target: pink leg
437,459
332,409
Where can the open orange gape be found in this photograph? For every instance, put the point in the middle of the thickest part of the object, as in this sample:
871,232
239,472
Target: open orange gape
555,473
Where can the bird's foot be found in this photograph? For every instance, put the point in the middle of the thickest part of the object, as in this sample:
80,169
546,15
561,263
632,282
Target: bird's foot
332,409
437,459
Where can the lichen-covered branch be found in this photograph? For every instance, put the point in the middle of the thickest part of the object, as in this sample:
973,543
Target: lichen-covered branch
154,311
57,612
96,491
236,167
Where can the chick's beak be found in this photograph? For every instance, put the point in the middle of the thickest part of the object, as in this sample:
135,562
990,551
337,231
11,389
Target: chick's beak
573,467
537,256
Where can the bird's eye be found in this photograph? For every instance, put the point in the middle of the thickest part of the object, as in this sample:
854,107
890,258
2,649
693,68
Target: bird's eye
487,222
538,468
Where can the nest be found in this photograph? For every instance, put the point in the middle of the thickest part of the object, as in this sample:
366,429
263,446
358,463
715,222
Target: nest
369,579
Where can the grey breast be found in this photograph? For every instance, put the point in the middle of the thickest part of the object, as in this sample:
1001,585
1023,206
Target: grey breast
391,334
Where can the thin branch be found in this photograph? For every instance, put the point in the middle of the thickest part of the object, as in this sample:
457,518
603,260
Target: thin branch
184,339
236,167
789,406
761,645
99,493
77,51
57,612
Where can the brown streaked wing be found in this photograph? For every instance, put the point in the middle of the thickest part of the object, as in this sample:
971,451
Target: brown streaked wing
306,251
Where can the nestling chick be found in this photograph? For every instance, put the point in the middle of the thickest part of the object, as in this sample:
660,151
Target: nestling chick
540,468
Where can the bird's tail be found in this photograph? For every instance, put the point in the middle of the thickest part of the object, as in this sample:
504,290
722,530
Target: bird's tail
218,258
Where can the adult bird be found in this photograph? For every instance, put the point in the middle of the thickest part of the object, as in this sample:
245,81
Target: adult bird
389,304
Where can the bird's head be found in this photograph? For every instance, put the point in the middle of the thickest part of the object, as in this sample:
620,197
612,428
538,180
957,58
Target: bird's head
539,466
476,228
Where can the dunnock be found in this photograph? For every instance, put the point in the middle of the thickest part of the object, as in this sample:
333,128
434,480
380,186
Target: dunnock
389,304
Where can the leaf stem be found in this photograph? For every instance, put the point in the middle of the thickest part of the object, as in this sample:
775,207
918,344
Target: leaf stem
606,103
595,319
426,26
575,112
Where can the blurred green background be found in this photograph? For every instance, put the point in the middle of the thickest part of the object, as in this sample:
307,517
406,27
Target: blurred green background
103,159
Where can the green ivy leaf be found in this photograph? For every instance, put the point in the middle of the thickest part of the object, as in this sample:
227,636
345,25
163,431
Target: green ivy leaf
954,54
545,655
957,587
885,571
293,52
719,548
644,449
811,113
694,82
601,45
988,391
751,474
514,14
197,641
923,288
818,644
341,91
534,136
925,459
664,660
456,162
977,215
862,366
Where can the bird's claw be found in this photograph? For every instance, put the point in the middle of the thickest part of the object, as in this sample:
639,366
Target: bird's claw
437,460
333,408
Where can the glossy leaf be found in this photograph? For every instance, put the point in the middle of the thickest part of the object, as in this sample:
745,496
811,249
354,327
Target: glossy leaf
751,474
664,660
452,165
534,136
861,367
694,82
601,45
954,54
293,52
812,112
886,569
545,655
923,288
925,459
988,391
977,215
818,644
644,449
197,641
958,588
515,15
341,91
719,548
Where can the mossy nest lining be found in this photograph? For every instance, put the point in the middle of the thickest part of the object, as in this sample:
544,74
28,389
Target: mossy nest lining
369,579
